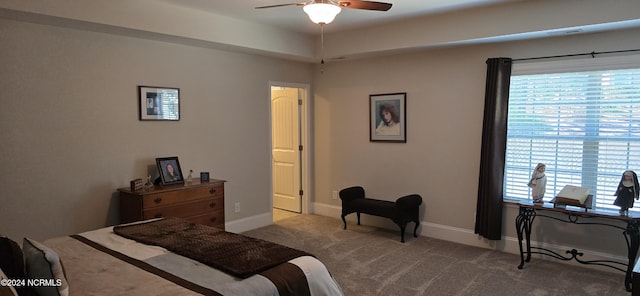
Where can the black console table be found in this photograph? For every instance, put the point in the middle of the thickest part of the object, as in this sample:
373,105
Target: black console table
629,225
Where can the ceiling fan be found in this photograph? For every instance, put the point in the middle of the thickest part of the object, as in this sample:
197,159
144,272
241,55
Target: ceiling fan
325,11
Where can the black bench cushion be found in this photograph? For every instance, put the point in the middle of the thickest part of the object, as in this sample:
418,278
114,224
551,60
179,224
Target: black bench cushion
375,207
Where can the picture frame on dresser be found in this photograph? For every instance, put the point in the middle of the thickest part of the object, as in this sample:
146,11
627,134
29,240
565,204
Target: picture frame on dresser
169,170
204,176
159,103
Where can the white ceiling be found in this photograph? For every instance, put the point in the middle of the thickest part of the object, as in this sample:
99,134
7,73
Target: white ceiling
287,32
294,19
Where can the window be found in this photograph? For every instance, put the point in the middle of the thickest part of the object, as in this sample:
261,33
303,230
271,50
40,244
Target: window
581,119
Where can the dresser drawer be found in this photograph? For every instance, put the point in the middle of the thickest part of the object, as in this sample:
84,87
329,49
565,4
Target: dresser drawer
198,202
185,209
211,219
178,196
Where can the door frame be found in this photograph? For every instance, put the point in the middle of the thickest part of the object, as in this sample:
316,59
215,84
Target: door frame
305,131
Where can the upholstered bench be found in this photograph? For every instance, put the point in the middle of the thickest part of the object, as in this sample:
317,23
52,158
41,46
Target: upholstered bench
404,210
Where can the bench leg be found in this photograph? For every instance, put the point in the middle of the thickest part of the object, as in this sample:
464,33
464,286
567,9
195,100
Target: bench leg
403,227
344,221
415,230
358,213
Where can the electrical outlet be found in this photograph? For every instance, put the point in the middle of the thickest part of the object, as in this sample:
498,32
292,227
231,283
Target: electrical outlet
237,207
334,194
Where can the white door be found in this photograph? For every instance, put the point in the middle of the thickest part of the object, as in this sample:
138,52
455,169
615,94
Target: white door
285,147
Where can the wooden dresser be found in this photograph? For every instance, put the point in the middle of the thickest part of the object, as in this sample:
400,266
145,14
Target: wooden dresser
201,203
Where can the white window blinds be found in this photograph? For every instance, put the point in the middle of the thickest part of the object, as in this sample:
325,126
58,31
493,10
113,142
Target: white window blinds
579,118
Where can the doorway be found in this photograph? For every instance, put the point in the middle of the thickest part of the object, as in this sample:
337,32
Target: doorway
289,149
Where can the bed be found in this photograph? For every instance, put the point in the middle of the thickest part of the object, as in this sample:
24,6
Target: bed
153,258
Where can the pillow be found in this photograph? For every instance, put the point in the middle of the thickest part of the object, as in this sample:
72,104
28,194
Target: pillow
44,265
6,289
11,260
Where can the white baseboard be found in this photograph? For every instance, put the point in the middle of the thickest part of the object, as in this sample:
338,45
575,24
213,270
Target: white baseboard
468,237
327,210
249,223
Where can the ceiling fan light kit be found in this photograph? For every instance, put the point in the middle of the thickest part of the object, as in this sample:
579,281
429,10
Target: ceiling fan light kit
322,13
325,11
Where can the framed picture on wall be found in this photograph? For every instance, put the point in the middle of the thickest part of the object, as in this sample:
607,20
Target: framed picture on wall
170,171
388,117
159,103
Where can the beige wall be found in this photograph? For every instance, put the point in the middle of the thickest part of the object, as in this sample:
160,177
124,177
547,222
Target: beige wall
445,101
71,136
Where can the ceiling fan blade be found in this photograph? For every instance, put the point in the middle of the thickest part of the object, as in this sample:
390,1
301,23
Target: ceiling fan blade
280,5
368,5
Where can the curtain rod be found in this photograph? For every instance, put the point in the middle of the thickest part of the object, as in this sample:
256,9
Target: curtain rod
592,54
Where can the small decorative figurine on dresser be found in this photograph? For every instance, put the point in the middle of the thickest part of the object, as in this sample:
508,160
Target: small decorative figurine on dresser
628,189
538,183
190,177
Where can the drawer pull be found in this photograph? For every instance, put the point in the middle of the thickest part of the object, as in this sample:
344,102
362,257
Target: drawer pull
213,219
157,200
212,205
158,215
212,191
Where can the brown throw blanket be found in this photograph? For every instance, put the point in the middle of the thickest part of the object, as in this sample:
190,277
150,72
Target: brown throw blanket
235,254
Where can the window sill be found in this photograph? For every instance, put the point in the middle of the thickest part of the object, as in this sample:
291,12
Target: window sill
511,201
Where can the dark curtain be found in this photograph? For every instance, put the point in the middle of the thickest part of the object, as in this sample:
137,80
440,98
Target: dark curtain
494,144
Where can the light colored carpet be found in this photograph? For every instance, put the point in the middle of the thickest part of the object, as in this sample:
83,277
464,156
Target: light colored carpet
279,214
372,261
